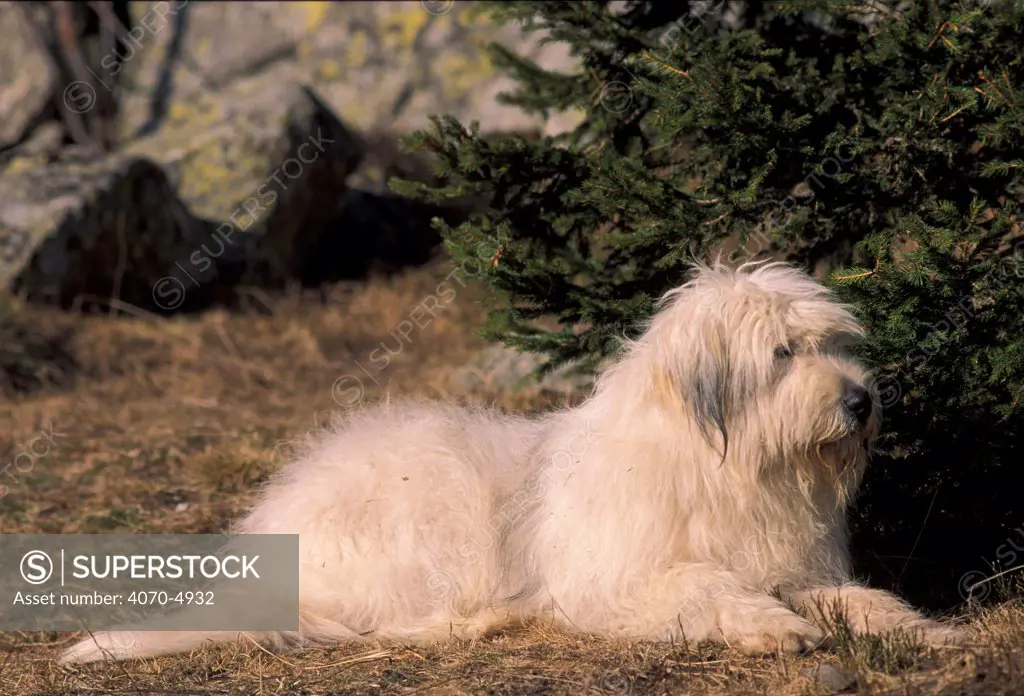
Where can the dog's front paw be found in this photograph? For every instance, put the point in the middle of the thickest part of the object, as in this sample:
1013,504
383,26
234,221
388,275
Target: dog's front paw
779,631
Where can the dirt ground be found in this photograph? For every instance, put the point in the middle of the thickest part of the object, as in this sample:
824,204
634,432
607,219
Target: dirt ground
168,425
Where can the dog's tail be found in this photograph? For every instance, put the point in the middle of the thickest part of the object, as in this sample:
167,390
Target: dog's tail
129,645
149,641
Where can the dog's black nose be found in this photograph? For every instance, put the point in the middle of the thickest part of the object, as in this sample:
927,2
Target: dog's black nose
857,400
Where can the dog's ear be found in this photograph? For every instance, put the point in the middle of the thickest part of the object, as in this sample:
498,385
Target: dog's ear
708,390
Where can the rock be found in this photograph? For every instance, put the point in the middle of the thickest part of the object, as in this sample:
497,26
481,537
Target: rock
385,66
232,165
82,226
403,61
263,157
27,77
835,679
185,213
46,142
376,229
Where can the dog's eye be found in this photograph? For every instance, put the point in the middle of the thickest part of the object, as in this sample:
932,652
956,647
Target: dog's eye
783,352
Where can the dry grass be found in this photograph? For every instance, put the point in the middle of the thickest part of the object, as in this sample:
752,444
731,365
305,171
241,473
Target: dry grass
168,425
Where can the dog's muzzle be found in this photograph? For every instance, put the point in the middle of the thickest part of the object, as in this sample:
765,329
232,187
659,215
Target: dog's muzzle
857,401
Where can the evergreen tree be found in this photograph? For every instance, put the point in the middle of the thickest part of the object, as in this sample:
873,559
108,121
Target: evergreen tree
879,146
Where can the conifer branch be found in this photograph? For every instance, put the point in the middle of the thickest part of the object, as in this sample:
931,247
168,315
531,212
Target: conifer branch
677,71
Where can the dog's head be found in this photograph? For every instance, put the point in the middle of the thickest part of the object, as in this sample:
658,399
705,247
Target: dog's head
759,356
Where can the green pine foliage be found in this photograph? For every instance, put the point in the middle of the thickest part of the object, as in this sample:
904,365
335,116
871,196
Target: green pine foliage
885,154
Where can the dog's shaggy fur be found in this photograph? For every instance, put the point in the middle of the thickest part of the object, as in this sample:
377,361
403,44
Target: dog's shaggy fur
699,494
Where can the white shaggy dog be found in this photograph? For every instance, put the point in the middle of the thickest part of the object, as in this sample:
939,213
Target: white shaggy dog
707,476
